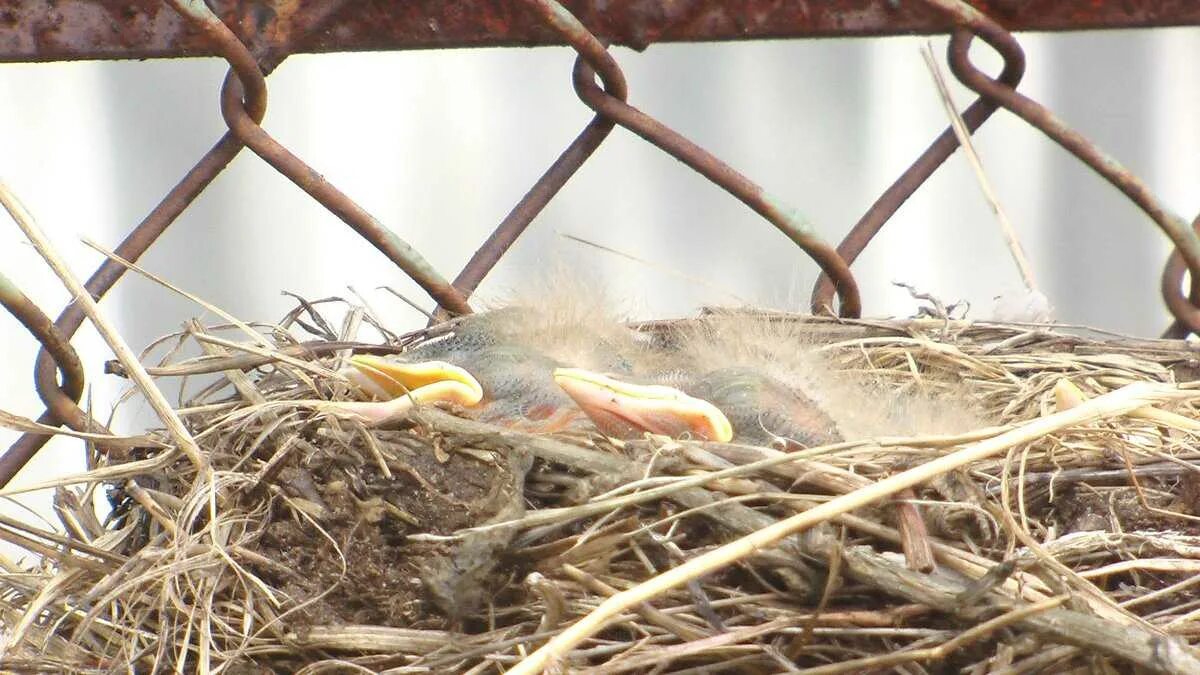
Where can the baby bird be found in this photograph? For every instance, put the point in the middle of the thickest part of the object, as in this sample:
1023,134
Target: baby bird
761,407
507,385
563,362
498,366
507,367
772,377
718,379
741,404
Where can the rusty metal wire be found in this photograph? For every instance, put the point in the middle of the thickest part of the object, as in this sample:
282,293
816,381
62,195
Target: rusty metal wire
785,218
1185,309
254,39
60,402
506,233
1186,241
246,79
934,156
102,280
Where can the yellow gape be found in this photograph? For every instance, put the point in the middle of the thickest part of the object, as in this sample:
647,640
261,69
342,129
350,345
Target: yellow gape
650,407
404,385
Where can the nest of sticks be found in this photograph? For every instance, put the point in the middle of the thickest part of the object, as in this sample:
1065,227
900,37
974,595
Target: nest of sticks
272,538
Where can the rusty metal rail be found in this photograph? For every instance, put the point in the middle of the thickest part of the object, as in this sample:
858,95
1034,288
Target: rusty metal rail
48,30
254,36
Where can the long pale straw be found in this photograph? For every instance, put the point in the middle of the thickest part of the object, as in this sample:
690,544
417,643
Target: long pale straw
107,330
1124,400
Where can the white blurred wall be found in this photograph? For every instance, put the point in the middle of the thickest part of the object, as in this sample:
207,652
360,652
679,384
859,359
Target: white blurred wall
440,145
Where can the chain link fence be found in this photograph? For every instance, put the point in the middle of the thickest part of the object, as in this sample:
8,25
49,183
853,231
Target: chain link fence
255,37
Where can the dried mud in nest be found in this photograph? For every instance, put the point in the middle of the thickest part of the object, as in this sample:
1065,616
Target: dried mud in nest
318,545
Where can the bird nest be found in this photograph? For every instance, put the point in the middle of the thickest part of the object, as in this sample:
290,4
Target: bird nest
266,536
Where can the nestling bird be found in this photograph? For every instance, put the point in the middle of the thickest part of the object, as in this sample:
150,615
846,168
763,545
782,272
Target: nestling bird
564,363
499,367
757,376
743,404
773,377
495,365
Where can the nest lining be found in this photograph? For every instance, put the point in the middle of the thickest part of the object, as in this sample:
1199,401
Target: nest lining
447,545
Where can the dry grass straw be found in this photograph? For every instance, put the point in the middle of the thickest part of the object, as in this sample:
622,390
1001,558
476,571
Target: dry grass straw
1064,531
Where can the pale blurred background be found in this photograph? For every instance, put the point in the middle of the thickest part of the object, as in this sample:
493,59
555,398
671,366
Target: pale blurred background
440,145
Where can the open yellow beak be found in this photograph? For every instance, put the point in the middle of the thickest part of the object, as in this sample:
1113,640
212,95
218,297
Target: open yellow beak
425,381
649,407
404,385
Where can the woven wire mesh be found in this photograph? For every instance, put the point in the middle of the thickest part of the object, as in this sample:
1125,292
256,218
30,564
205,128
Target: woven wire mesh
254,43
253,51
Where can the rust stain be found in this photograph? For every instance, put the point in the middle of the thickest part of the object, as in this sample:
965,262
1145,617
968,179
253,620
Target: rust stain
44,30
